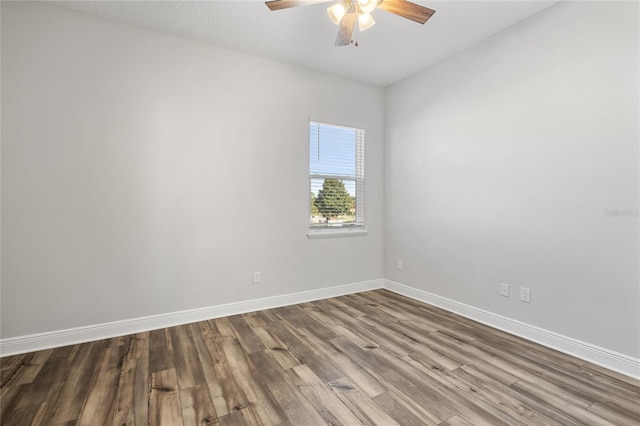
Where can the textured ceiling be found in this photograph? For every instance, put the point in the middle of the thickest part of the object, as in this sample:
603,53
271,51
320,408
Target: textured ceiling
393,49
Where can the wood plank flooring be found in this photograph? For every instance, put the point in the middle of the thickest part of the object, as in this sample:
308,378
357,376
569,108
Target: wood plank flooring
373,358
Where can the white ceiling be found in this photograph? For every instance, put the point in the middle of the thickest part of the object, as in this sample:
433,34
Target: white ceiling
393,49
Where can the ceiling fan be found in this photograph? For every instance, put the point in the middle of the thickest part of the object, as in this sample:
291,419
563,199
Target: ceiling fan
346,13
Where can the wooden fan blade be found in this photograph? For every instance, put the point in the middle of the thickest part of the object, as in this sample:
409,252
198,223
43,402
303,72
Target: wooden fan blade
286,4
408,10
345,29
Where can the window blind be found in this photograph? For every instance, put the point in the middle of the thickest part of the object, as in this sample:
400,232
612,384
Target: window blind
336,176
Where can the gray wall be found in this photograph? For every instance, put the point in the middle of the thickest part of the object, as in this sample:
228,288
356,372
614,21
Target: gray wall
501,163
145,174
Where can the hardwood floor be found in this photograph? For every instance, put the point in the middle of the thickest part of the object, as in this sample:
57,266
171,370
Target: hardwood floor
373,358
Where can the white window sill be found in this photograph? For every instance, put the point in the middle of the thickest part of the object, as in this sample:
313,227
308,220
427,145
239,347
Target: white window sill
335,233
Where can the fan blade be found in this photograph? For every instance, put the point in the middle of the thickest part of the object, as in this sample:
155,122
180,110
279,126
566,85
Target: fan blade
345,29
406,9
286,4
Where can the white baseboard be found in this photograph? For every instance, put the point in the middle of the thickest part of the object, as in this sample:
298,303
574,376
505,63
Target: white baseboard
606,358
72,336
611,360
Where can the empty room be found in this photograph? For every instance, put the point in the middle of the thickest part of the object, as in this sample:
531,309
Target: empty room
344,212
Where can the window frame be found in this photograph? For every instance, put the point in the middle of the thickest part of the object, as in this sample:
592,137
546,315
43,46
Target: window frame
356,228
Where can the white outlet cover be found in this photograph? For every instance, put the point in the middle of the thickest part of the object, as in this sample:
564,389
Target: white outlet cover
504,289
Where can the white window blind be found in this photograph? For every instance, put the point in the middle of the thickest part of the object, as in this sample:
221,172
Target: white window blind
336,177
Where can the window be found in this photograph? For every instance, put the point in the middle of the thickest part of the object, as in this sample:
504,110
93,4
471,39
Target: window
336,180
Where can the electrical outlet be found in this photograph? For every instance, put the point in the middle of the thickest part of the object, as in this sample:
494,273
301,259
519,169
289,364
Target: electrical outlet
504,289
400,265
256,277
525,294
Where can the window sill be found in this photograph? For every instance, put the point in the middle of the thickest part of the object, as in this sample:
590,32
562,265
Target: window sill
335,233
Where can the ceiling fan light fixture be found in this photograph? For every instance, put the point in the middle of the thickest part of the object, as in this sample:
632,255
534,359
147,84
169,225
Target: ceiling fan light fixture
336,12
365,21
347,14
367,6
